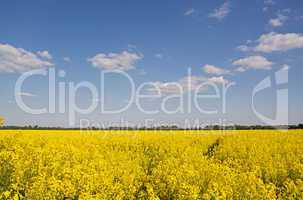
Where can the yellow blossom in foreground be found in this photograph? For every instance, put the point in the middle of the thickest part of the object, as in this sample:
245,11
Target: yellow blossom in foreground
151,164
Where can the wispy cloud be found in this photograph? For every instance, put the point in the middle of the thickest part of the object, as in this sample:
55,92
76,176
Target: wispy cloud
116,61
187,84
45,54
219,80
278,21
279,42
271,42
243,48
252,62
221,12
189,12
211,69
268,4
182,85
14,59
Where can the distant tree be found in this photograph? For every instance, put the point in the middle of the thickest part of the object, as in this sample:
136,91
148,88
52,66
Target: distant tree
1,121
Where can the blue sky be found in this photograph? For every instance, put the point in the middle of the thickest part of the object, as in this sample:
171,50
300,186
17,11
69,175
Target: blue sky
240,42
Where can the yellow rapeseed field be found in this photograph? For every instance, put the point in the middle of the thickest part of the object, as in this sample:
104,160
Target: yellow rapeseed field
151,164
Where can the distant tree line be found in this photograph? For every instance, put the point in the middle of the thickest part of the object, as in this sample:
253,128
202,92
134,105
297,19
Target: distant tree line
252,127
174,127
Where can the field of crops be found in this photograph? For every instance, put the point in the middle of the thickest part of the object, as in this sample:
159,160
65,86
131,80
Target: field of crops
151,165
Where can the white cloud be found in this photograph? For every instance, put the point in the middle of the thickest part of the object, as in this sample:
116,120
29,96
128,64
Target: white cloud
279,21
271,42
67,59
14,59
115,61
218,80
45,54
221,12
279,42
252,62
211,69
26,94
189,12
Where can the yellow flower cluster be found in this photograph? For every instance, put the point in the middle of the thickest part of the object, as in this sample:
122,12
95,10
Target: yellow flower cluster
151,165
